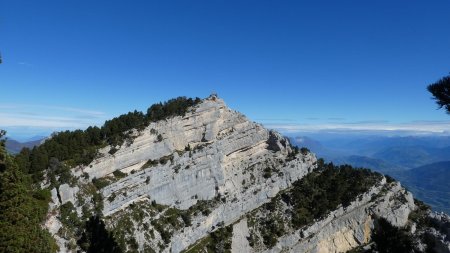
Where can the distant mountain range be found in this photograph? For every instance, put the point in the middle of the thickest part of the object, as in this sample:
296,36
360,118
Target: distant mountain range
377,164
14,147
421,163
413,156
430,183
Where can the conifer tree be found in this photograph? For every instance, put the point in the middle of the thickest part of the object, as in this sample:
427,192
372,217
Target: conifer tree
22,210
441,92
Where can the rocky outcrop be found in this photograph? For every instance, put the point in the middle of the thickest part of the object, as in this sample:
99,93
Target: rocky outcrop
211,151
180,179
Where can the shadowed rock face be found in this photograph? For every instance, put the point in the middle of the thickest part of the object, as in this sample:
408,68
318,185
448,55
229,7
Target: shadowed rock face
212,155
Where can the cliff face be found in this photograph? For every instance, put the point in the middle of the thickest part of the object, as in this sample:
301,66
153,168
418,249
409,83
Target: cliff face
181,179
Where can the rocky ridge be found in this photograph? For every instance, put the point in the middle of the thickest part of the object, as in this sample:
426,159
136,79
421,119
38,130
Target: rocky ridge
183,178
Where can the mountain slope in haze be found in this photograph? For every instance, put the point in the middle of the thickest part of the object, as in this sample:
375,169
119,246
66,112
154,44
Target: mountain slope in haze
432,148
14,147
429,183
375,164
413,156
346,155
319,148
368,145
35,138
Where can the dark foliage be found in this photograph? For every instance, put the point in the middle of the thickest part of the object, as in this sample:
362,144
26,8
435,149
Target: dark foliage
186,219
424,222
173,107
96,239
273,229
441,92
218,241
322,191
58,172
420,215
221,240
113,150
119,174
116,130
392,239
304,150
100,183
69,217
3,153
22,210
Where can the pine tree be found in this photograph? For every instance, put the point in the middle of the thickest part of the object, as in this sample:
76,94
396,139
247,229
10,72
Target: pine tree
441,92
22,210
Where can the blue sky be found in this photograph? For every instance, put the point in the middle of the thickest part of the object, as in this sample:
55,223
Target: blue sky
292,65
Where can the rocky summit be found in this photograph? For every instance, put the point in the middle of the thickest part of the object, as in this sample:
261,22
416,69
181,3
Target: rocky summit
211,180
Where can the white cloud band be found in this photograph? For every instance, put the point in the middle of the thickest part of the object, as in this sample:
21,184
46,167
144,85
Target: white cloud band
416,127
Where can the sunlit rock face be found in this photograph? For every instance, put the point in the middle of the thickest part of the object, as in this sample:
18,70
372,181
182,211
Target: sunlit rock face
215,157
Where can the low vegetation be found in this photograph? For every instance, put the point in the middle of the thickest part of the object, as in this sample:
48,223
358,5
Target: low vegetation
23,208
101,182
95,238
218,241
119,174
69,218
310,199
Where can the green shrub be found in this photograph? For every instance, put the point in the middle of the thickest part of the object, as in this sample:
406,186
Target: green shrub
163,160
95,237
392,239
113,150
100,182
186,219
150,163
119,174
69,217
172,107
23,209
304,151
267,172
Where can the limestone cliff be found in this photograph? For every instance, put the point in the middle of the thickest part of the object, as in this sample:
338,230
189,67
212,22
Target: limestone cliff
180,180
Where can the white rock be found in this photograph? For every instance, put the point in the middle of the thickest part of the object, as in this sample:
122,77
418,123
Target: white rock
239,240
67,193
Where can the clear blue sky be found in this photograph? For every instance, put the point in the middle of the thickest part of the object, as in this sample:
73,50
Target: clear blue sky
287,64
